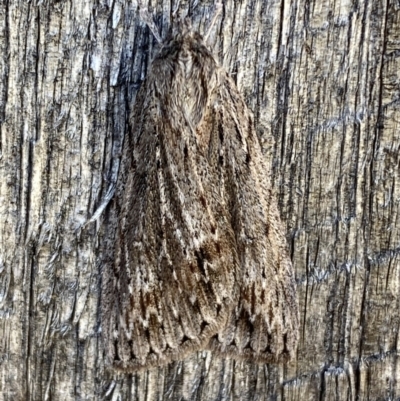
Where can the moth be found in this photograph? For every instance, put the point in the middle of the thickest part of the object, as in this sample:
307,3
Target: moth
200,258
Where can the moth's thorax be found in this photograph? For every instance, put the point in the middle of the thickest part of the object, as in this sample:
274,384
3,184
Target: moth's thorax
185,75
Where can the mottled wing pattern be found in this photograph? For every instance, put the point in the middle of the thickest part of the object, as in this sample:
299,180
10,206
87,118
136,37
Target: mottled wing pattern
176,267
264,324
200,258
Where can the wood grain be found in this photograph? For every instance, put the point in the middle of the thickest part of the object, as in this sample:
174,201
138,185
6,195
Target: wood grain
322,80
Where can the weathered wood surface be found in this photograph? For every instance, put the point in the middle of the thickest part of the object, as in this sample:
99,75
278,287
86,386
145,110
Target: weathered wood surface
323,80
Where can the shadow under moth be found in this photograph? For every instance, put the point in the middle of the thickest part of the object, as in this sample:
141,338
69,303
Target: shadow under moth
200,259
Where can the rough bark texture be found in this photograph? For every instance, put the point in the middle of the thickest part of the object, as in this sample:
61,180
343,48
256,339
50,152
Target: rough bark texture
322,78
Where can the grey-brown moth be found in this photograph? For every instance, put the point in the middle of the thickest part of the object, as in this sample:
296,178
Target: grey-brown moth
200,259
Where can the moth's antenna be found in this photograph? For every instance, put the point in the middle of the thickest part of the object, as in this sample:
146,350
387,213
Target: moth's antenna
176,8
148,19
217,12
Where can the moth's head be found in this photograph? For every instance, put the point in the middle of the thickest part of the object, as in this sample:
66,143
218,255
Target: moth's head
182,31
181,27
